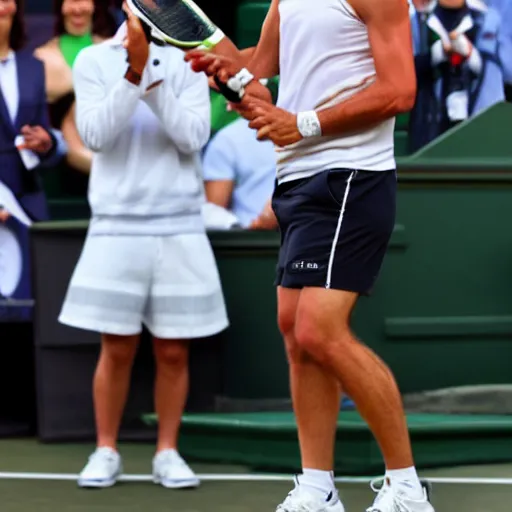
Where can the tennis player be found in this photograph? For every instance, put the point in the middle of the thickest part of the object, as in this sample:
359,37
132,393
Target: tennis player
146,259
346,69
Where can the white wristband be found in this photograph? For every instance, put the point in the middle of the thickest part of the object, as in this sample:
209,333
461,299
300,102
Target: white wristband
238,82
309,124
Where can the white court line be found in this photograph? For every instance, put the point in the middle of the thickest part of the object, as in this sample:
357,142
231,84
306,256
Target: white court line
249,478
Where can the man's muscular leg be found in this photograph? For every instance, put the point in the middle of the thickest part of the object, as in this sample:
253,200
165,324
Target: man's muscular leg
316,396
323,331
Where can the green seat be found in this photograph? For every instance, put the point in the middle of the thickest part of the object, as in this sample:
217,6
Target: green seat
249,20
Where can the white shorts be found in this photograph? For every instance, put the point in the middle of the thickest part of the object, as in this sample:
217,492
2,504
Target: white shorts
168,283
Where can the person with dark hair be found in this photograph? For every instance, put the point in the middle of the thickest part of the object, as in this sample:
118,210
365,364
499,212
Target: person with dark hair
26,141
79,24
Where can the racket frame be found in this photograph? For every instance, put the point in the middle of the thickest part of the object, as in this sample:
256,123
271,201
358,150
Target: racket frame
207,44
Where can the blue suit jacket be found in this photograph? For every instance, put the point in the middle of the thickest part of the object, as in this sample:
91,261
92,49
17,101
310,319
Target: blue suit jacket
32,110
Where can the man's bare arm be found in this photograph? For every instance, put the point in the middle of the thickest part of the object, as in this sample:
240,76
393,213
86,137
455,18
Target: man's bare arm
394,89
264,62
226,58
219,192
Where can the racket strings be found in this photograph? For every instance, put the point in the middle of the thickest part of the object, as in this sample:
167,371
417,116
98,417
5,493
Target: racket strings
176,19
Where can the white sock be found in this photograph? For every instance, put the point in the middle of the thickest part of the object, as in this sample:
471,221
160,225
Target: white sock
407,481
318,481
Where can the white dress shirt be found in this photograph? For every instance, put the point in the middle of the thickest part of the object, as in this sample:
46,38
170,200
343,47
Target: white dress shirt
9,84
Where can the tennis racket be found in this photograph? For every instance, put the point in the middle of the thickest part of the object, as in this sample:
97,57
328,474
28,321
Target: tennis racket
180,23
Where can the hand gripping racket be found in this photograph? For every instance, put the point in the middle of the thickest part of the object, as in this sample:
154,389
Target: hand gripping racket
180,23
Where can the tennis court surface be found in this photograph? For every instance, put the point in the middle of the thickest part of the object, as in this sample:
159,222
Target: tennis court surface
41,478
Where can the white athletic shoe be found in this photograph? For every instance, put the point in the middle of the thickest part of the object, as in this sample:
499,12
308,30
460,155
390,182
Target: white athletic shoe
302,500
171,471
102,470
391,500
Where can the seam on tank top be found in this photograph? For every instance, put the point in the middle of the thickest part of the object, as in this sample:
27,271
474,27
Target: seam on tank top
333,96
351,10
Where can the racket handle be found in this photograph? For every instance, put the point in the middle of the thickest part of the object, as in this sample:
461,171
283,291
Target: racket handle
229,94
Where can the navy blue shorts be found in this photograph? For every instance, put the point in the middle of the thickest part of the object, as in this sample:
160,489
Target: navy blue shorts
335,228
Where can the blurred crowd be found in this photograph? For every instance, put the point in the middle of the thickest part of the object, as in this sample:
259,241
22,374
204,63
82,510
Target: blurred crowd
463,57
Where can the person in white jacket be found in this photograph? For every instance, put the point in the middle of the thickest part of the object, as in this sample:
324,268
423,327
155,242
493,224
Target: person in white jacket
146,259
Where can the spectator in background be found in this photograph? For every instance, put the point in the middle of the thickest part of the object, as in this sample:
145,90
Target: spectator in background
79,24
239,171
423,119
23,112
147,259
457,64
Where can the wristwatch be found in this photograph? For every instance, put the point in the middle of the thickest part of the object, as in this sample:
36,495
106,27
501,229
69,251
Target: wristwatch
132,76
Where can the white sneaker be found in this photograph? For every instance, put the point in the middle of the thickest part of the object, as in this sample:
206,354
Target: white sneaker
391,500
102,470
302,500
171,471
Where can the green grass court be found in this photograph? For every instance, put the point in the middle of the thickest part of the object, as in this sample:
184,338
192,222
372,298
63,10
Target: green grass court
46,484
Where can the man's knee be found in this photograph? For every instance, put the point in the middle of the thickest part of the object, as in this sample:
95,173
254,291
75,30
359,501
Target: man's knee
320,338
170,353
120,351
323,322
286,324
286,314
286,311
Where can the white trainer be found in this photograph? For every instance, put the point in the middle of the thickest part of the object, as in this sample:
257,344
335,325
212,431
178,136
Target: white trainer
302,500
171,471
102,470
389,499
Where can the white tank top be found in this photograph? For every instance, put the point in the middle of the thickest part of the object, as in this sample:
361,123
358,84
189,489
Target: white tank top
325,58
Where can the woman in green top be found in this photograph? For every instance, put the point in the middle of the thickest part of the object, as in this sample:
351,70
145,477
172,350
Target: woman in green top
79,24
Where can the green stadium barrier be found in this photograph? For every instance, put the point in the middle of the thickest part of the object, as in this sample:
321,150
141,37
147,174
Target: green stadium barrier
483,140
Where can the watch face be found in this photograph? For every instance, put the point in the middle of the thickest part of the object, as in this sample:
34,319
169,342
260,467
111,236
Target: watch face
11,262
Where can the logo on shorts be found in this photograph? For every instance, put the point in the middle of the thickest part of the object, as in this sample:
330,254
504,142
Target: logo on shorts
300,266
